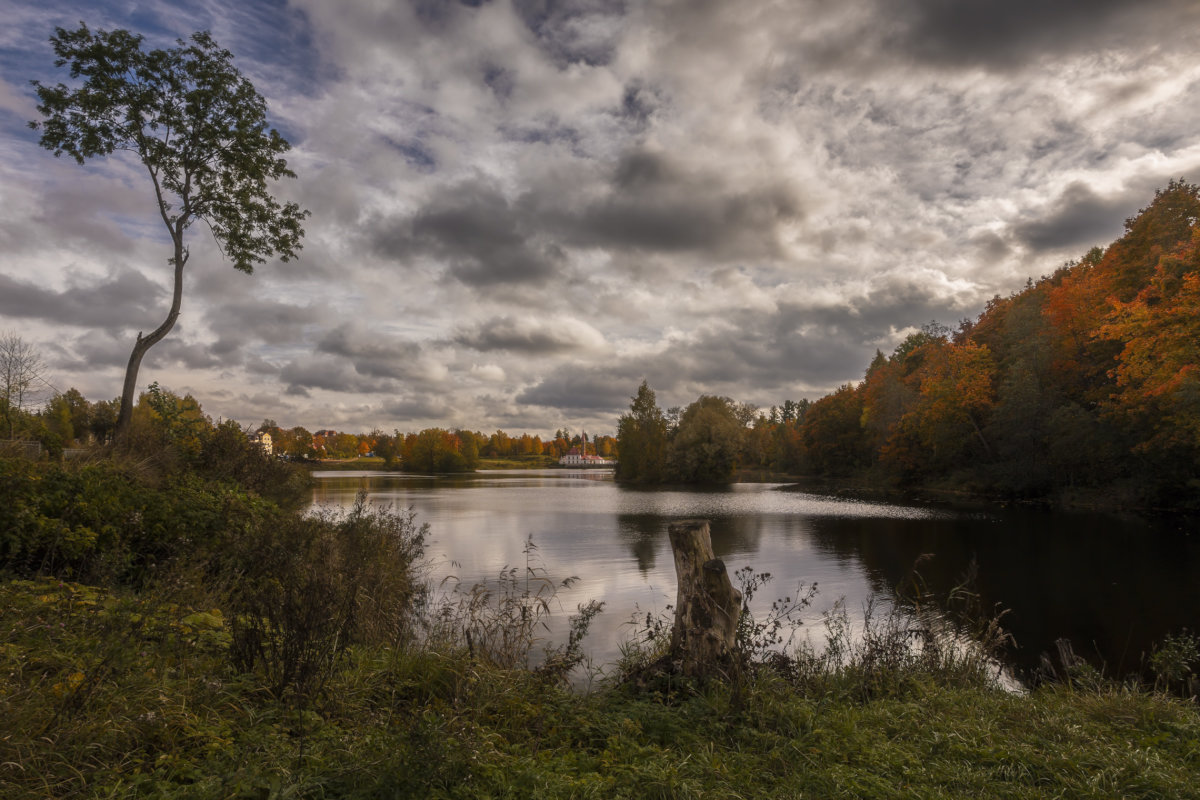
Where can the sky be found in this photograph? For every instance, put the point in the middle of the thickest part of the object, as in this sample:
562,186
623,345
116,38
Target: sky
521,209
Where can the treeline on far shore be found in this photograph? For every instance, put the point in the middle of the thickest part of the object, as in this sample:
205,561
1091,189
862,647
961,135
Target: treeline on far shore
433,449
1084,386
68,420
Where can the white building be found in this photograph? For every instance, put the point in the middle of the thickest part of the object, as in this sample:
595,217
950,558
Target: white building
263,440
579,457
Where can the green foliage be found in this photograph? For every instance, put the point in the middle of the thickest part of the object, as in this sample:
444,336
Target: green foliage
1175,662
311,585
707,443
100,522
436,450
111,694
832,435
642,440
500,622
192,119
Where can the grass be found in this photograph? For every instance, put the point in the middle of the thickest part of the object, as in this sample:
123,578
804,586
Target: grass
518,462
115,694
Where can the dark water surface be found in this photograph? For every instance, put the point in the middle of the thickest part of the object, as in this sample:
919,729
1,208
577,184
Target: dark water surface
1112,585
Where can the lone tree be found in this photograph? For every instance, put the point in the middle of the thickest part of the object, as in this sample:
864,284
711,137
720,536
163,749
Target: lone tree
200,130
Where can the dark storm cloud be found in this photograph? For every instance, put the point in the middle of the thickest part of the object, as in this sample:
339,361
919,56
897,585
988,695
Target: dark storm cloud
244,320
121,300
175,351
1008,33
1078,217
646,202
416,407
372,355
530,336
1082,217
474,228
91,351
654,203
579,389
330,374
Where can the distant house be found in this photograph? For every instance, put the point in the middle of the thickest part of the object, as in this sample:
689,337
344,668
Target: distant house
579,457
263,440
574,458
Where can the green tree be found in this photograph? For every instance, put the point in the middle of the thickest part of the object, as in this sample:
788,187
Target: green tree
387,446
710,437
102,419
197,126
642,440
468,448
832,436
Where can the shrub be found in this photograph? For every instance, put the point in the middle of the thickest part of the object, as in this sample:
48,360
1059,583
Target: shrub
306,588
102,523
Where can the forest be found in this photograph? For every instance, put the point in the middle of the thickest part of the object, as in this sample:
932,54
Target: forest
1083,386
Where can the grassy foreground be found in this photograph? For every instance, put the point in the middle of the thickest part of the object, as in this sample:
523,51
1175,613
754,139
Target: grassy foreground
110,693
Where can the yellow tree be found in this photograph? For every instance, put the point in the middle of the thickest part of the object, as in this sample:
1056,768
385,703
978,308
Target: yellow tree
957,388
1158,368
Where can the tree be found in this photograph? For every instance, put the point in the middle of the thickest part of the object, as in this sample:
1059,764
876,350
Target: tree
832,436
642,440
21,369
710,438
197,126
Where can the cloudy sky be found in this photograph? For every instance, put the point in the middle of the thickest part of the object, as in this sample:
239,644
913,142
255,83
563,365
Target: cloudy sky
522,208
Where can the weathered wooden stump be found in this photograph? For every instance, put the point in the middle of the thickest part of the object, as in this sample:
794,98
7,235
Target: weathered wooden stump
707,607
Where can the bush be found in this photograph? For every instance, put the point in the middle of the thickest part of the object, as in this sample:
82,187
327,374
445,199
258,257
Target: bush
306,588
103,523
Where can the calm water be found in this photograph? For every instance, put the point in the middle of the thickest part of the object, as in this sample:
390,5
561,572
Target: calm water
1112,585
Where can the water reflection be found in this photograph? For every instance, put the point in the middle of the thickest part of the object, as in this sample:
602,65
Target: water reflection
1113,586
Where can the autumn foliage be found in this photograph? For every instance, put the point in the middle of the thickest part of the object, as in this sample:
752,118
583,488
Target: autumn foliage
1087,379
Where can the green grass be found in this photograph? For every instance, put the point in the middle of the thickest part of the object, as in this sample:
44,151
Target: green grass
518,462
117,694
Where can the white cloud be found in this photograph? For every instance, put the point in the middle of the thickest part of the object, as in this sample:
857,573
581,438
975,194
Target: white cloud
522,209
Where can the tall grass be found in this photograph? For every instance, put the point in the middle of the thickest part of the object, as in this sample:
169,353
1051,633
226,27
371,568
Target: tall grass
909,637
504,621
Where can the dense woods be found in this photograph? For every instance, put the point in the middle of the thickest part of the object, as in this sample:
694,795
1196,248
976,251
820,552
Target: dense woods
1085,381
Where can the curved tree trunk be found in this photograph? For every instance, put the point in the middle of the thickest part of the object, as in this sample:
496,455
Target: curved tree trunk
143,344
707,607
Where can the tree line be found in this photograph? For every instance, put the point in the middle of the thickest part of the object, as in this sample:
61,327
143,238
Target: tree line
1084,382
431,449
69,420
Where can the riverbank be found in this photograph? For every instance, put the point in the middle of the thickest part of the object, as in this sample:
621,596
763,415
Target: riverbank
223,647
378,464
1107,500
108,693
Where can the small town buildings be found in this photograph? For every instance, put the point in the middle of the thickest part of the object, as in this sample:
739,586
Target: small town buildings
263,440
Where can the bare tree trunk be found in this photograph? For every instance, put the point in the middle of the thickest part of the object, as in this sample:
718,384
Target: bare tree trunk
707,607
143,344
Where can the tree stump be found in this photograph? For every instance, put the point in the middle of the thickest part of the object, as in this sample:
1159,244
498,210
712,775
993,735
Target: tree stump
707,607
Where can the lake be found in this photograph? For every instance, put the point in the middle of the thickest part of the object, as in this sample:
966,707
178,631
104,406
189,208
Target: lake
1112,585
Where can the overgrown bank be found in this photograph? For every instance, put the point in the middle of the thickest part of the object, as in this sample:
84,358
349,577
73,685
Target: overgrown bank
111,694
170,632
